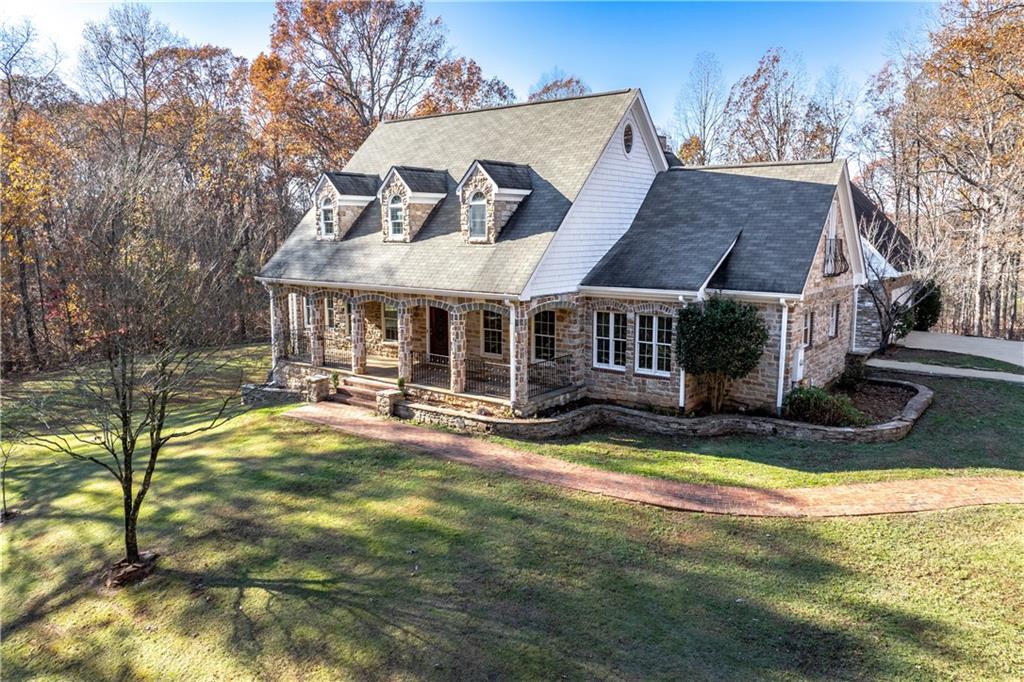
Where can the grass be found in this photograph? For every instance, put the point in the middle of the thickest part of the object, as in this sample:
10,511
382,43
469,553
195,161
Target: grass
973,428
947,359
293,552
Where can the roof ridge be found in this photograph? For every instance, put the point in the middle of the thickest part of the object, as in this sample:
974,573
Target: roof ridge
510,106
756,164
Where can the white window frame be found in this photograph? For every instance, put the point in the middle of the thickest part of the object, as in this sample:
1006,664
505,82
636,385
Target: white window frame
384,323
808,331
484,331
833,322
330,313
553,336
327,209
307,312
655,329
833,219
612,339
395,203
478,202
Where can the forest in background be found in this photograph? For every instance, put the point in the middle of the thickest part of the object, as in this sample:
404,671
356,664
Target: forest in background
224,151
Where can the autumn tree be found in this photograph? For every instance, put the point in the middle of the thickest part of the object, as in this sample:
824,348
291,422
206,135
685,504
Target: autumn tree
459,85
700,112
765,111
355,64
556,84
827,116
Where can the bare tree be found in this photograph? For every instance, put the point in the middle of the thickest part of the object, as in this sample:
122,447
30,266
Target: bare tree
827,116
7,447
700,112
158,376
765,110
557,84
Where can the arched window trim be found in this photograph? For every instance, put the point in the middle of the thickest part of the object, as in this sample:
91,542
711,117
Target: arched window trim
327,217
478,216
396,217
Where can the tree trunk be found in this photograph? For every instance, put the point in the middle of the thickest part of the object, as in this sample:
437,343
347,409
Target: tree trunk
26,306
131,539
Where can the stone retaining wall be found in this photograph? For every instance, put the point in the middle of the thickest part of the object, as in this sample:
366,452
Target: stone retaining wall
589,416
260,395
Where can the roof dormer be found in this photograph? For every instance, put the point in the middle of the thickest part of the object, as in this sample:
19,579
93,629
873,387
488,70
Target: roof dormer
489,193
339,198
407,196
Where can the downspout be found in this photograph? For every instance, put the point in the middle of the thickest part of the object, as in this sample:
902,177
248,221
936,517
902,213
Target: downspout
853,322
782,356
682,372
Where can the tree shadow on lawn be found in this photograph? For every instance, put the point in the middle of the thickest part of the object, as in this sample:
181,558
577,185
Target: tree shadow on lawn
970,424
286,555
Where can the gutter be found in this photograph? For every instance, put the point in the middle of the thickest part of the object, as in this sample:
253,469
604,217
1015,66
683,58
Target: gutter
383,287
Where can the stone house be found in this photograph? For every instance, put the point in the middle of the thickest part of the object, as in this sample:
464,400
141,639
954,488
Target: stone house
529,255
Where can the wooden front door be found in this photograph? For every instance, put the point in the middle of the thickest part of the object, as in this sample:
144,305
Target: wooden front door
438,332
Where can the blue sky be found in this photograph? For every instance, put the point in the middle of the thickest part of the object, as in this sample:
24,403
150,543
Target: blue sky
610,45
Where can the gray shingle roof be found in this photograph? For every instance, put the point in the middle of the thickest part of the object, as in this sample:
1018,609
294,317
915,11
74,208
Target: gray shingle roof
560,141
508,175
691,215
424,179
354,184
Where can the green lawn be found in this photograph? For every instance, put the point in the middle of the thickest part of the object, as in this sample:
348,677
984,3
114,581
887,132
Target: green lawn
973,427
294,552
939,357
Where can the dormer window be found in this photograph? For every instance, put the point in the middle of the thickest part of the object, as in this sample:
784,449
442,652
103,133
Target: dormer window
327,217
478,216
396,218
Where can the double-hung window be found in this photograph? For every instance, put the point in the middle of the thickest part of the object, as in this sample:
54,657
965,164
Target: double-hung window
833,322
478,216
329,312
610,340
544,335
327,217
492,332
654,344
808,338
390,323
307,311
396,217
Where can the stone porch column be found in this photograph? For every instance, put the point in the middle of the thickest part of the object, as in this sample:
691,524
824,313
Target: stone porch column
519,355
358,327
293,324
275,325
405,343
457,351
316,332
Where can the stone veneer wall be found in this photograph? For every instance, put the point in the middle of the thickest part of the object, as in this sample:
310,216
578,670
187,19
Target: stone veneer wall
414,214
344,216
498,212
869,326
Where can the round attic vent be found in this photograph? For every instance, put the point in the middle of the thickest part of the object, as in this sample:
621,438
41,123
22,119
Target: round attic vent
627,138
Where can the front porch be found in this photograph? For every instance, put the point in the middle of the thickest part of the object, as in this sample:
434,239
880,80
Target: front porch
447,348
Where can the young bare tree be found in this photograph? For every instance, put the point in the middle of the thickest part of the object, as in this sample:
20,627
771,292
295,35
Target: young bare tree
7,447
700,112
153,374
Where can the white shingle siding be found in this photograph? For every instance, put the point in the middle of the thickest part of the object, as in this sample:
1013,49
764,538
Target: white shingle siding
601,214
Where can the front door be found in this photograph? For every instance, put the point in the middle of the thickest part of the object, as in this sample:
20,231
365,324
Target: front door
438,332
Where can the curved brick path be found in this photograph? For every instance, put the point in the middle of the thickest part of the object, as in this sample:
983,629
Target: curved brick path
856,499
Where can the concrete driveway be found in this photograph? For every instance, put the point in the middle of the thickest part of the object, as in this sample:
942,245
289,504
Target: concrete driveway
997,349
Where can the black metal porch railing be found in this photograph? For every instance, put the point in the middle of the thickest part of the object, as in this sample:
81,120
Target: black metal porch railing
549,375
337,351
429,369
297,347
835,259
487,378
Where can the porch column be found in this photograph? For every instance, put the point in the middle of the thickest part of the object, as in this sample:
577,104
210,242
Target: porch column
405,343
519,355
457,351
294,327
316,332
275,325
358,326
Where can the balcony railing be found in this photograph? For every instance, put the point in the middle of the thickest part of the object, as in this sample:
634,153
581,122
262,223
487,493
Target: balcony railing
486,378
835,259
549,375
429,369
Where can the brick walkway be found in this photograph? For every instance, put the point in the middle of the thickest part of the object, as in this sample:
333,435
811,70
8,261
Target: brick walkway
857,499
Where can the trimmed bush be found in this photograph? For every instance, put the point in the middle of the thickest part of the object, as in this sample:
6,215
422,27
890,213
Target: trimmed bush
817,406
928,309
719,340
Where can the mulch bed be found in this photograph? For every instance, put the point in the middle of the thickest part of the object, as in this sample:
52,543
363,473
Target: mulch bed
879,402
